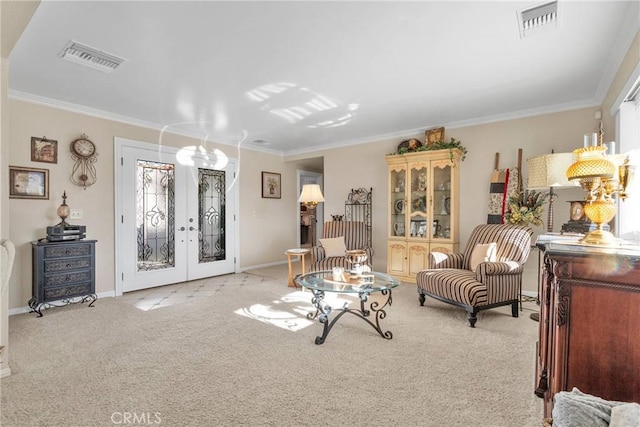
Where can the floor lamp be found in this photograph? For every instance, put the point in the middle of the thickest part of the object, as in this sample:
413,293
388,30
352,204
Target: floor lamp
311,195
549,172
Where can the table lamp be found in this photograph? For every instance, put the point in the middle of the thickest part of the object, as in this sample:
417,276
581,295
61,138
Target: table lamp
311,195
602,176
548,172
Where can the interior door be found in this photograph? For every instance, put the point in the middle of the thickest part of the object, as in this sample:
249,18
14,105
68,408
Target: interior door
176,215
210,219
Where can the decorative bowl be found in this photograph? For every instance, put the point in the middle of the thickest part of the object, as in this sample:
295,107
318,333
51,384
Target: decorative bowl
356,256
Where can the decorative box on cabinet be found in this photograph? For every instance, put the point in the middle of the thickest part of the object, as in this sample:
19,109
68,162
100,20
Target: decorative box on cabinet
63,273
422,209
589,329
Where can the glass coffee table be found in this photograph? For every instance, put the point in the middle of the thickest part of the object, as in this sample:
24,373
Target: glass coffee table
320,282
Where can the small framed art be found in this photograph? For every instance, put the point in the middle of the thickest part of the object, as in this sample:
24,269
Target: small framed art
44,150
433,135
28,183
271,185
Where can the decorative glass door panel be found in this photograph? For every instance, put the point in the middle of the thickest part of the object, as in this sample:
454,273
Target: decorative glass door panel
398,208
211,217
155,215
419,176
441,227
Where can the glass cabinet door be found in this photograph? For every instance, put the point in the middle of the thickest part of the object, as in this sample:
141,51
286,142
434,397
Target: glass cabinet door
441,225
398,208
418,204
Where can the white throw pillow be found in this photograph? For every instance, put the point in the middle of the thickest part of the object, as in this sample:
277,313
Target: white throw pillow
333,247
482,253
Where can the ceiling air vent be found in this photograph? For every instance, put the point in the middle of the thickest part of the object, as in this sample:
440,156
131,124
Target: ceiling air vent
538,18
91,57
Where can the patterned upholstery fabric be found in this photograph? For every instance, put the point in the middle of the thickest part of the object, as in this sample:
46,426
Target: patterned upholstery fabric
503,183
450,279
355,237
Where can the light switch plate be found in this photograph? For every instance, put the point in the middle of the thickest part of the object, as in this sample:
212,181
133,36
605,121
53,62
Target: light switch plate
76,214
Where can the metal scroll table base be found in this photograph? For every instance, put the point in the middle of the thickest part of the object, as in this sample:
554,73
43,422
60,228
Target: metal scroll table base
323,311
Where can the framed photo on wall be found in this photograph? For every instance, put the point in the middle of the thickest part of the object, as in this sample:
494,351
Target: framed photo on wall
44,150
28,183
433,135
271,185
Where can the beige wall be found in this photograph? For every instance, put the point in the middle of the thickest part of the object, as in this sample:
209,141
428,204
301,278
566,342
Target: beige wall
364,166
630,61
14,16
267,227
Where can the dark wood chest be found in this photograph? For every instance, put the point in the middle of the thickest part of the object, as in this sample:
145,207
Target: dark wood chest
589,329
62,271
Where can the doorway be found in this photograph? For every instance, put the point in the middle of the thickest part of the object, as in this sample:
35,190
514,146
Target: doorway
304,228
175,214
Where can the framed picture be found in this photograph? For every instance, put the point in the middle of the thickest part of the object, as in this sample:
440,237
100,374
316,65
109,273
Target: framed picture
433,135
271,185
44,150
28,183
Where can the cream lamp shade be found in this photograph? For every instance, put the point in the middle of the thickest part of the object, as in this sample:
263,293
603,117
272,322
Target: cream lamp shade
549,170
311,194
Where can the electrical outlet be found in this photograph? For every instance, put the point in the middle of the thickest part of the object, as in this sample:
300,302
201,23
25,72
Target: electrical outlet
76,214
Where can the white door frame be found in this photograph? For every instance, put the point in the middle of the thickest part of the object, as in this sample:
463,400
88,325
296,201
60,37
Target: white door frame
119,143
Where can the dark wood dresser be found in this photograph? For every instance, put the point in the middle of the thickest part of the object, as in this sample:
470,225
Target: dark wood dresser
589,334
63,273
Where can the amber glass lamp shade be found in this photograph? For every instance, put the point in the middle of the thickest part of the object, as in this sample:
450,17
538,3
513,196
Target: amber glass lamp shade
591,166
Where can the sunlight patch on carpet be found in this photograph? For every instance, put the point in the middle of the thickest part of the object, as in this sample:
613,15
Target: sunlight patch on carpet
290,311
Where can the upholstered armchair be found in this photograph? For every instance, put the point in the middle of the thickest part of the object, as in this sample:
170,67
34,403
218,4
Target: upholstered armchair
487,274
337,237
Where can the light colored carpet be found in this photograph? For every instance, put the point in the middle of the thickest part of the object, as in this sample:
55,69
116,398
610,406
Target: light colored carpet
244,354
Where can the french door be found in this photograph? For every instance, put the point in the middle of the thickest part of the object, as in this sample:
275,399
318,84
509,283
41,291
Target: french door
175,215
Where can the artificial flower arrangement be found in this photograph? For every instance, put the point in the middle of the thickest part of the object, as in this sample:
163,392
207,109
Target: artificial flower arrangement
413,145
525,207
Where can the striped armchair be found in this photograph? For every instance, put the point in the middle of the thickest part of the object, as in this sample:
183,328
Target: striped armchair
496,281
355,237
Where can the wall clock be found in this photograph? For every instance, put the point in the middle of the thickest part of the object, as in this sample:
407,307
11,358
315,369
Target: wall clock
83,152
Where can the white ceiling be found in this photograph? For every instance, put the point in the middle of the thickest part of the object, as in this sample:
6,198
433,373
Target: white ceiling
349,71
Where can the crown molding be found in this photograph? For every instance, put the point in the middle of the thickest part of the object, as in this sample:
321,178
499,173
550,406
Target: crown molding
532,112
101,114
80,109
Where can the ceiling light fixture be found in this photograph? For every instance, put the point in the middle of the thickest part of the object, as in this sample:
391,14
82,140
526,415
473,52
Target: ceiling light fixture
90,57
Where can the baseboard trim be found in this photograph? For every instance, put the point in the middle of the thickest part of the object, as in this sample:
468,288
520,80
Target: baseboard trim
270,264
26,309
531,294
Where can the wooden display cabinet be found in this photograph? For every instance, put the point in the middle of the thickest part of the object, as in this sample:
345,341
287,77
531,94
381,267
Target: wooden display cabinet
423,206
